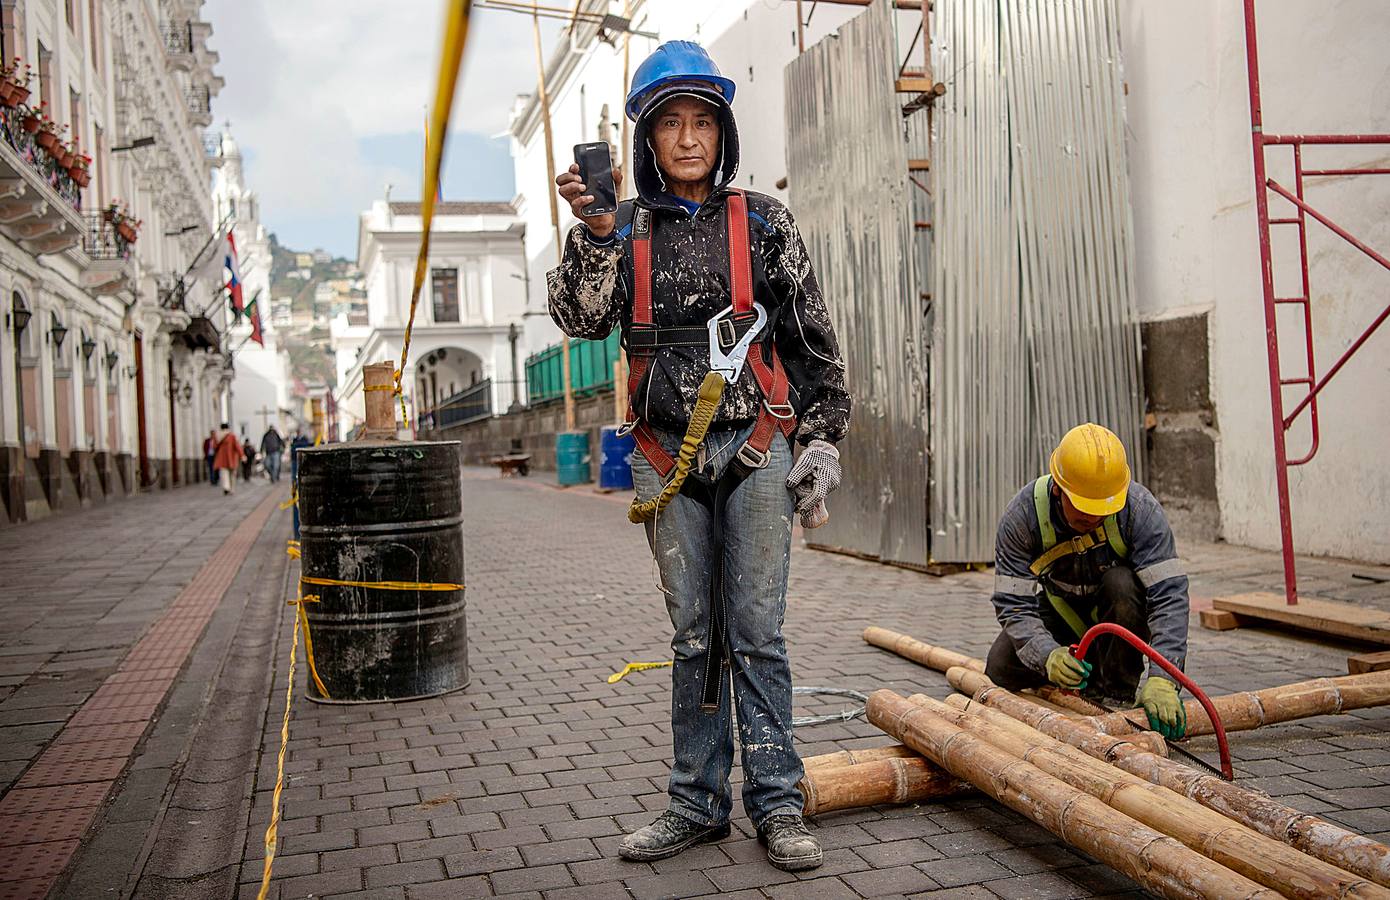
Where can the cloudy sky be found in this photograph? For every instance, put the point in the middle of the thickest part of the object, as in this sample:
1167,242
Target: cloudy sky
327,101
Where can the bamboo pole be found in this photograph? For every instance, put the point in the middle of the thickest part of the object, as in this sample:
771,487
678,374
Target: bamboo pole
1252,709
1259,858
378,402
544,98
1310,834
941,659
925,654
842,758
899,779
1156,861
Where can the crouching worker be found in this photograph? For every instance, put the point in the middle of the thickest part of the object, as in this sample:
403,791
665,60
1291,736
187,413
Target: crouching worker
1082,545
732,358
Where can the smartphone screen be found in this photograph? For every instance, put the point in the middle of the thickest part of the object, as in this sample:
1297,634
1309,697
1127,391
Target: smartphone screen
596,170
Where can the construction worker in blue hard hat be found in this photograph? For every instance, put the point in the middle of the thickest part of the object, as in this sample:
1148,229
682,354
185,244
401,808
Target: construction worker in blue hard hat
703,279
1085,544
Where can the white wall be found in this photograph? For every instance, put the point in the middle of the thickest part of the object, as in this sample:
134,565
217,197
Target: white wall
1324,69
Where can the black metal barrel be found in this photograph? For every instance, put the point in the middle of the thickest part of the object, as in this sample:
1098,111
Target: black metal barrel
374,513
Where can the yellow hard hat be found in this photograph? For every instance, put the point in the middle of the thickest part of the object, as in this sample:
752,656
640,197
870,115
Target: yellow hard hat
1089,466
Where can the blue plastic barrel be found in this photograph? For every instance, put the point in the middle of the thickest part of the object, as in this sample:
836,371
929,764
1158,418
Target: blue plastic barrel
572,457
615,453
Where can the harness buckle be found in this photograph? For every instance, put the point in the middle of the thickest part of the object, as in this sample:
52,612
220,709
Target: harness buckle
728,335
752,457
776,410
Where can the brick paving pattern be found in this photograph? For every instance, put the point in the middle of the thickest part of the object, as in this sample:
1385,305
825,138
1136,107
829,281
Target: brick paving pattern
45,812
523,784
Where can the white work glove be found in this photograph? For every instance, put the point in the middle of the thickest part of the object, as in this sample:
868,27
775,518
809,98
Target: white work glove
815,474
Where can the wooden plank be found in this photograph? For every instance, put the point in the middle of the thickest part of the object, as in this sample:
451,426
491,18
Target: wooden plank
914,85
1343,620
1361,663
918,165
1219,619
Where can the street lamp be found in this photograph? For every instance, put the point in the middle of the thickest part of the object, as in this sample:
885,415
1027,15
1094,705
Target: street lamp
19,316
112,358
89,346
187,394
58,331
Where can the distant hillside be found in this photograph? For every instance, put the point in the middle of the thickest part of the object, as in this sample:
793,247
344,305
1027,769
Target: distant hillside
310,359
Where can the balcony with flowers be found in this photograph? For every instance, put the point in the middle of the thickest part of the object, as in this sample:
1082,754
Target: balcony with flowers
107,242
42,172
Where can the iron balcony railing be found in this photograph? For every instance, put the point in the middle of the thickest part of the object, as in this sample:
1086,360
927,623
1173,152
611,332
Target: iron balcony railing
24,142
101,240
591,368
212,144
199,100
178,37
468,405
173,294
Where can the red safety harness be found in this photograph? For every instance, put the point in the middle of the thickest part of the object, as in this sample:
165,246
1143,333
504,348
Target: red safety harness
776,415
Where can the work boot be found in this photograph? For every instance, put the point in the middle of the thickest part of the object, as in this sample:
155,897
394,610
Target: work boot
790,846
669,835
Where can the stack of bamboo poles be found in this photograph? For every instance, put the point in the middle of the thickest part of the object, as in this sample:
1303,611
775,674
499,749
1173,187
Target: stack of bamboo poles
1105,786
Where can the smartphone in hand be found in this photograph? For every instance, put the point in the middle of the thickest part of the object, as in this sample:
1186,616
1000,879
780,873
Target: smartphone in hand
595,163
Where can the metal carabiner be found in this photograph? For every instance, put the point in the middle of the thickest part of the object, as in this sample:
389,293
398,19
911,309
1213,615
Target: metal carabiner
730,364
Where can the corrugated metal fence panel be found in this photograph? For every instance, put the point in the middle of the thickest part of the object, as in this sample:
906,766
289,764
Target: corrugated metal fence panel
1074,225
847,168
1035,328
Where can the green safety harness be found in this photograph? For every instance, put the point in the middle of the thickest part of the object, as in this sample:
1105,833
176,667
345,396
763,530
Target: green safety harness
1053,550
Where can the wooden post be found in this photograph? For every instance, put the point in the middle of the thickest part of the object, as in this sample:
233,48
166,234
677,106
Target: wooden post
554,198
316,412
377,381
1154,860
800,37
1310,834
1259,858
900,779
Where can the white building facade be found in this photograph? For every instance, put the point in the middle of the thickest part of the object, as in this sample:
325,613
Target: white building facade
467,345
260,388
1197,256
111,369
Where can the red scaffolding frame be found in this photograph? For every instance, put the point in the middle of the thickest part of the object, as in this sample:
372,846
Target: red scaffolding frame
1298,217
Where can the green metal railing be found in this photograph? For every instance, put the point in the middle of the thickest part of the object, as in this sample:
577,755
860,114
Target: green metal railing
591,368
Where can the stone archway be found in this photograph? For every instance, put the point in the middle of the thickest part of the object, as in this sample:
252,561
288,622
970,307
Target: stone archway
451,387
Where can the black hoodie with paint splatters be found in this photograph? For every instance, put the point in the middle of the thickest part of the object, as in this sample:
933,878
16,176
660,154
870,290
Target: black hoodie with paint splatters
590,294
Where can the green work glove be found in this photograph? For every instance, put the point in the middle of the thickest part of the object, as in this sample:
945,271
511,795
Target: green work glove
1167,715
1066,671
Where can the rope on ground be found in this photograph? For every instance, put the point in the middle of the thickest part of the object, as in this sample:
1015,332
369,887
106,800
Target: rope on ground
798,721
273,829
455,34
844,716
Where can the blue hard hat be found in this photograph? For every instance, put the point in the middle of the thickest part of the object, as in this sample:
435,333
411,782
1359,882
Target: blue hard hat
675,61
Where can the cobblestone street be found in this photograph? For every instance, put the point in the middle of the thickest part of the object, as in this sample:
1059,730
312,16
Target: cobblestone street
523,784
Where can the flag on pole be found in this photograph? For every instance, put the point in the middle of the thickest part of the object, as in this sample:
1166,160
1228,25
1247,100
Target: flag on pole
229,262
253,312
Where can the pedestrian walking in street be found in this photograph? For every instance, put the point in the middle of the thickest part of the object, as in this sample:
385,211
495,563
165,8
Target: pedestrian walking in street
697,274
248,457
226,458
272,446
209,451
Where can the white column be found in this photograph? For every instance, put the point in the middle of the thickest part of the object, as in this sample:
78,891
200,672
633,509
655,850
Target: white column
9,383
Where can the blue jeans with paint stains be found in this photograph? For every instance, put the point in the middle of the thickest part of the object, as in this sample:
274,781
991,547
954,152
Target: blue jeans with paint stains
757,535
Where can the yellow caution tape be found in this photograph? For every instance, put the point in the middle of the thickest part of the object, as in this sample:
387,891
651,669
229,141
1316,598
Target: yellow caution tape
455,34
292,549
273,829
385,585
636,667
294,498
379,387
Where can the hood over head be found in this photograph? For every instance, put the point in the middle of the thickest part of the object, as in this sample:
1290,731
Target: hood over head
648,179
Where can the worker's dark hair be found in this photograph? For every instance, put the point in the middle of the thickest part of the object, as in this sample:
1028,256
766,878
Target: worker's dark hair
225,425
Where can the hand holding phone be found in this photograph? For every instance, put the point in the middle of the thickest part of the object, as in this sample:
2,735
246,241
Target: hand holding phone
590,187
